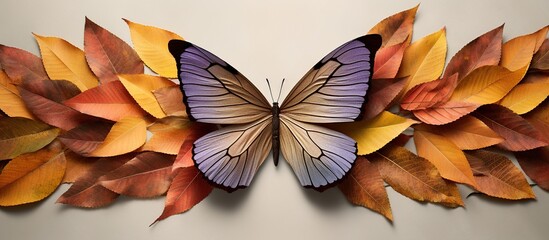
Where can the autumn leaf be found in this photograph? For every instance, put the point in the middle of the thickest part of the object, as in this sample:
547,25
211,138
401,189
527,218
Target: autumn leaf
539,118
169,134
382,92
424,59
188,188
526,96
21,65
77,166
445,113
483,51
125,136
518,52
141,87
87,192
170,100
151,45
21,135
85,138
414,176
445,155
535,164
540,61
429,94
388,59
145,176
32,177
519,135
64,61
109,55
498,176
363,186
10,100
396,28
109,101
375,133
184,157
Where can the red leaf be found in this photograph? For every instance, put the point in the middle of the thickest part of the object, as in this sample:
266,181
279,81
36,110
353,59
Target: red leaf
109,55
429,94
85,138
381,94
21,65
518,133
535,164
445,113
147,175
388,60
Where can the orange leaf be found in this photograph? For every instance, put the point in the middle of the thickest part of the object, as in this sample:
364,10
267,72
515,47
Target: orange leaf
188,189
85,138
518,52
32,177
64,61
170,100
21,65
109,55
169,134
21,135
445,113
151,45
429,94
10,100
498,177
109,101
414,176
77,166
125,136
535,164
445,155
363,186
484,50
396,28
526,96
184,157
540,61
388,59
518,133
141,87
382,92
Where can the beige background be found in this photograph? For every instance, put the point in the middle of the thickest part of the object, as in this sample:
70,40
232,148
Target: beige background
274,39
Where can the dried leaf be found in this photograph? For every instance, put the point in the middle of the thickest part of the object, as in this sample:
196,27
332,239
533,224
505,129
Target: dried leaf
373,134
396,28
171,101
169,134
85,138
141,87
445,113
21,65
109,101
518,133
424,59
539,118
184,157
382,92
63,60
10,100
484,50
429,94
77,166
109,55
32,177
151,45
21,135
388,59
535,164
518,52
125,136
147,175
526,96
363,186
499,176
414,176
540,61
445,155
188,189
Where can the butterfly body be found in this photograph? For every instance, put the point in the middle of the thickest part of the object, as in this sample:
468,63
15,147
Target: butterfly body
276,132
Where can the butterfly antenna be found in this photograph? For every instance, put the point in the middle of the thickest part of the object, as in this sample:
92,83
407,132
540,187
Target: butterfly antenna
270,91
280,91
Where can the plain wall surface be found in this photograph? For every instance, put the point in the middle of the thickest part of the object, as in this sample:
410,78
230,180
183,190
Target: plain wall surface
275,40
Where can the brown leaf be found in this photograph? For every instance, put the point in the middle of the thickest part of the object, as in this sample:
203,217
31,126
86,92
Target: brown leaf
169,134
145,176
77,166
109,55
518,133
539,118
381,94
171,101
21,135
499,176
518,52
21,65
445,113
363,186
535,164
396,28
85,138
33,176
429,94
388,59
45,100
540,61
109,101
414,176
10,100
87,191
187,189
484,50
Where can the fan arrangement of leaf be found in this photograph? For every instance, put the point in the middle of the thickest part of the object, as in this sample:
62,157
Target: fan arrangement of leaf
82,117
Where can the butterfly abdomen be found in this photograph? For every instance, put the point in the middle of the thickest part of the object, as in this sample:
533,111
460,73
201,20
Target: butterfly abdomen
276,126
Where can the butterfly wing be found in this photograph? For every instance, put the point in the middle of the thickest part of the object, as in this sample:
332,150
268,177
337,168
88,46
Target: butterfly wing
334,90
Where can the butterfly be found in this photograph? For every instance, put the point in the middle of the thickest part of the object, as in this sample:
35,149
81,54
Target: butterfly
333,91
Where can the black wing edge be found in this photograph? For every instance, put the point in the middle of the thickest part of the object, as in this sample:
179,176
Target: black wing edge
177,47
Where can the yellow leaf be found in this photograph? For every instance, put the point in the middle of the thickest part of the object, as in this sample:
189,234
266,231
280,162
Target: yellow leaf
125,136
21,135
525,97
32,177
141,87
375,133
487,84
151,44
169,134
397,28
10,101
424,59
518,52
64,61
